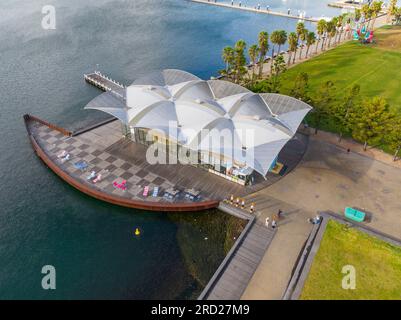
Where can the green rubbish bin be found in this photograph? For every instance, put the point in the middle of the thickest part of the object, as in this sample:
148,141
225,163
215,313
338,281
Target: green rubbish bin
354,214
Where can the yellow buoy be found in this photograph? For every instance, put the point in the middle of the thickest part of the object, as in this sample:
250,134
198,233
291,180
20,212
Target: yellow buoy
137,232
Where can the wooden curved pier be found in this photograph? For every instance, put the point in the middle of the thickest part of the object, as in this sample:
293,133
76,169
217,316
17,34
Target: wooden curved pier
92,191
103,148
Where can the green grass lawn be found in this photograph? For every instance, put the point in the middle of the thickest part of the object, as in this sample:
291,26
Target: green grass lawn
377,264
376,68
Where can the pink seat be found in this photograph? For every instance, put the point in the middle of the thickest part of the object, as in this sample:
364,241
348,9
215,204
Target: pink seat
98,178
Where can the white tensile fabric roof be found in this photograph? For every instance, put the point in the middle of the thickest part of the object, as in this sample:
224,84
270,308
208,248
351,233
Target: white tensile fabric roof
259,124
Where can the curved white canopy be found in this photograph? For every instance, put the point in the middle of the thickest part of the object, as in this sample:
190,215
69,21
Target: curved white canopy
201,112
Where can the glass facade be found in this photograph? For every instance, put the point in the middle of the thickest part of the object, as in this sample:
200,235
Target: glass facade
213,163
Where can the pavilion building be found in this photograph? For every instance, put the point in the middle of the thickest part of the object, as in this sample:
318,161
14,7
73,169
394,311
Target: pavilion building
217,125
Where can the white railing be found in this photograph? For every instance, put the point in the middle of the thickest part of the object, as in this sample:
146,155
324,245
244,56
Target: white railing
103,85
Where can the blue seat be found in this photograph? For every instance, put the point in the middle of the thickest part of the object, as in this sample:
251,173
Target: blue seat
354,214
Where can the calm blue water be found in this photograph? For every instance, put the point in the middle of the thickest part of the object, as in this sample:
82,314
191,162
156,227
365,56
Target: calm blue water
43,220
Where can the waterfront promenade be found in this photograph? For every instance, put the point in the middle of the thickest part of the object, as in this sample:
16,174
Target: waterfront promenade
260,10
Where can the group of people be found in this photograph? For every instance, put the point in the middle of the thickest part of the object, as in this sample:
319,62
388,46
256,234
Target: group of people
275,218
316,220
241,203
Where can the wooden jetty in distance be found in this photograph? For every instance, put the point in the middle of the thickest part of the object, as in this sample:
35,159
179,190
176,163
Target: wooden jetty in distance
103,82
344,5
256,10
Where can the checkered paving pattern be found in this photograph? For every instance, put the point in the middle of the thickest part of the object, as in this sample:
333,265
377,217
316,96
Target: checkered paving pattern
111,168
117,159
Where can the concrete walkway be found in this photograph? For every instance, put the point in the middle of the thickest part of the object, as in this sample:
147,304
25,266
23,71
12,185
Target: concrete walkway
328,179
345,144
274,271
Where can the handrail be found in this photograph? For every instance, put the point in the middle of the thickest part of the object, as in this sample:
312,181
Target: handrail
218,273
65,132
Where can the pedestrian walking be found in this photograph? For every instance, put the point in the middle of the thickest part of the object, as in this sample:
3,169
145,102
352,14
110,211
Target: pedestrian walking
279,213
243,204
232,199
252,207
315,220
237,202
267,222
274,224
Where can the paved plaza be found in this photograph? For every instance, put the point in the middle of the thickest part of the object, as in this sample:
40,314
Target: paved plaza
327,179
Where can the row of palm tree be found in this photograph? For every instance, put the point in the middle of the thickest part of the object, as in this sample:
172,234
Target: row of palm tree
235,60
369,12
397,16
328,34
394,12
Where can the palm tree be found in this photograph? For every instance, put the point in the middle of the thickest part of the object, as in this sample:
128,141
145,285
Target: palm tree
292,42
367,13
253,52
263,41
397,15
239,60
340,24
240,45
321,29
282,39
310,40
299,31
357,15
392,9
376,7
303,39
331,31
228,58
278,37
275,39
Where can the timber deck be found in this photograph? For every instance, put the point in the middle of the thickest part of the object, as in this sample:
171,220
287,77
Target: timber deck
106,151
232,277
